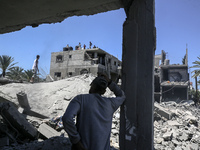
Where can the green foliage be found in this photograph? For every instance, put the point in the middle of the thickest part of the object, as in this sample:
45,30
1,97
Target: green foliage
193,94
16,73
196,71
6,63
28,74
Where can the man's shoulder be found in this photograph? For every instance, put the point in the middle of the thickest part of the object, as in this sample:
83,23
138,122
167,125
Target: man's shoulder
81,95
86,96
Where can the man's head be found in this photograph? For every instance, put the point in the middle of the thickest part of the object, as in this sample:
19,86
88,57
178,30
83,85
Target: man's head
38,56
98,85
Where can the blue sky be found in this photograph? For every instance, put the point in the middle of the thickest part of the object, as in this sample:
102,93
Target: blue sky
104,30
177,23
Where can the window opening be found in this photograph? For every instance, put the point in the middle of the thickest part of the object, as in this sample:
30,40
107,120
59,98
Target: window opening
59,58
57,74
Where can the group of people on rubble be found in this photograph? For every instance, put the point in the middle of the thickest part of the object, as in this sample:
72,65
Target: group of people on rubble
78,47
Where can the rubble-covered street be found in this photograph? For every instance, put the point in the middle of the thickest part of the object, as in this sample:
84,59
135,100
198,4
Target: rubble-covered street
180,130
34,123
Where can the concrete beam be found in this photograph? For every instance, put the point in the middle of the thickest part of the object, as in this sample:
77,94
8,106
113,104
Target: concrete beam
136,121
16,15
12,116
162,112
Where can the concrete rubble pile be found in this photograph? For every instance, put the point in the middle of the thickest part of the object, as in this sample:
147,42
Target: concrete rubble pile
177,126
174,83
42,136
36,110
29,113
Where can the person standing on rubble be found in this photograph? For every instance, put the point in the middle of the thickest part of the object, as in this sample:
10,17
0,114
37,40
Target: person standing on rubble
35,68
94,115
90,44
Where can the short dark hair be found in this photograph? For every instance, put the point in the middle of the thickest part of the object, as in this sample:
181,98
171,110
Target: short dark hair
99,84
38,56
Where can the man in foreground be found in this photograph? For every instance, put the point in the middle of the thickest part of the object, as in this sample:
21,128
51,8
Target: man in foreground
94,116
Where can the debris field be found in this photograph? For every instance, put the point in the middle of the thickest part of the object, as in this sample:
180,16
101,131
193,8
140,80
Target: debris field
30,117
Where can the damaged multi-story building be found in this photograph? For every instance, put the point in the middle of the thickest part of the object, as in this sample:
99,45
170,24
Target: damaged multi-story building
171,81
69,62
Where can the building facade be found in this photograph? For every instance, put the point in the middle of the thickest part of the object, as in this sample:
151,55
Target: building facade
171,81
69,62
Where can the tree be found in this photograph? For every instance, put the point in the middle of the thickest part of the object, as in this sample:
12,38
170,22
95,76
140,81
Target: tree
6,63
196,71
196,74
193,94
16,73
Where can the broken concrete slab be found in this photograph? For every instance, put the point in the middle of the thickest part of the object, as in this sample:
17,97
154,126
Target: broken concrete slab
16,120
48,131
183,137
162,112
167,136
173,123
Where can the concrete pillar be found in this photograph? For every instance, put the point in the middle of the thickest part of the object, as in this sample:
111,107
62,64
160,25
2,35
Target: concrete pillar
136,121
23,100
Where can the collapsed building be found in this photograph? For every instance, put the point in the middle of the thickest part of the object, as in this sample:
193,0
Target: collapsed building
171,81
69,62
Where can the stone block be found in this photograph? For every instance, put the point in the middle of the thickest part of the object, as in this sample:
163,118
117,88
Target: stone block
48,131
162,112
183,137
158,140
167,136
173,123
